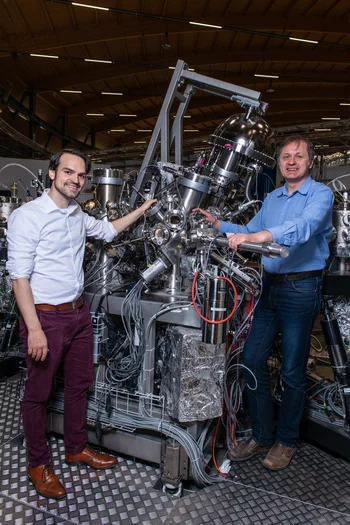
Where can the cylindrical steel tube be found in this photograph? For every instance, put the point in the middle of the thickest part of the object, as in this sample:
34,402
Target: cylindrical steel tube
215,309
269,249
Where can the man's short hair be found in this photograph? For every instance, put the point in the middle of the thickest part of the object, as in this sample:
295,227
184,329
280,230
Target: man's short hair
297,138
55,159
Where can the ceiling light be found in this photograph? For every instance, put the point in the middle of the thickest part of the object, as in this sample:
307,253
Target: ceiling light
126,115
140,130
95,114
330,118
99,61
43,56
69,91
22,116
266,76
205,25
119,130
140,142
91,6
190,69
323,129
171,67
108,93
191,130
344,104
304,40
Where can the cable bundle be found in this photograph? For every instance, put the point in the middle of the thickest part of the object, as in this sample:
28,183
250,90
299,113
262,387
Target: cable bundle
126,359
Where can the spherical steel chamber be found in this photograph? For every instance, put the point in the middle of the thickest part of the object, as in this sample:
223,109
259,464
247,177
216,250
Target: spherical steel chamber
241,141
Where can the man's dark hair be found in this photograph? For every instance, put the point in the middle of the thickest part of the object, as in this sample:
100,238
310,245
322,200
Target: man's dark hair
55,159
297,138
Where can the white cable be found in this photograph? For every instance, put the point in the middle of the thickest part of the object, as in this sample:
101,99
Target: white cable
337,178
25,168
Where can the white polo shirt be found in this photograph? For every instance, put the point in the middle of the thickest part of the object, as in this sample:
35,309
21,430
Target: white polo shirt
46,245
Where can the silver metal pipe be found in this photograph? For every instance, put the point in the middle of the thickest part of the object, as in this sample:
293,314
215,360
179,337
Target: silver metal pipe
215,309
269,249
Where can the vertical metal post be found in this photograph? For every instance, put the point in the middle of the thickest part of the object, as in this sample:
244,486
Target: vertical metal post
161,129
177,128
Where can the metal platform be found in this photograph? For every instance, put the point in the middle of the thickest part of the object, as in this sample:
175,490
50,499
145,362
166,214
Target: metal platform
315,489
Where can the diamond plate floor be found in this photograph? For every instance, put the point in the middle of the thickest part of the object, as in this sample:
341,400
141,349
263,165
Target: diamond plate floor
227,503
315,489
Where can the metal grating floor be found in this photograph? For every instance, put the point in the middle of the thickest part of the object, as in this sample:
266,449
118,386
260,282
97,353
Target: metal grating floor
314,490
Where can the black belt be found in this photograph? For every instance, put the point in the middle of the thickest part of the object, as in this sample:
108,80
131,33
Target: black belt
286,277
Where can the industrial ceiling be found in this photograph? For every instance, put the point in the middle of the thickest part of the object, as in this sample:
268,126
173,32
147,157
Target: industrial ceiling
93,75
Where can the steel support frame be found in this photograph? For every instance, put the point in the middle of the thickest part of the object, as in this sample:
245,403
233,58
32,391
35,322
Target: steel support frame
192,81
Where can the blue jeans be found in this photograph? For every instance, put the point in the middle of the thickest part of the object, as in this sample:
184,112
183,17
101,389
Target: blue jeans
288,308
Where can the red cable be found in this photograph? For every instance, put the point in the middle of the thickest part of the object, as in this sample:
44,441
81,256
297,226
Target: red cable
195,306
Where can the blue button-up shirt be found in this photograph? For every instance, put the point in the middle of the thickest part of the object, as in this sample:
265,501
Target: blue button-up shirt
302,221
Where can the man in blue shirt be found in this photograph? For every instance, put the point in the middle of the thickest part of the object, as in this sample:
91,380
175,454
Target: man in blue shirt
297,215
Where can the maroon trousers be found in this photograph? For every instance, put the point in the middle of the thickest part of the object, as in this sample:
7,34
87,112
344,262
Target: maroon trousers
70,338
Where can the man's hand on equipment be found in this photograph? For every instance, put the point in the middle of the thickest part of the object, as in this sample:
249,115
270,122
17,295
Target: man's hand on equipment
210,218
147,204
235,239
37,344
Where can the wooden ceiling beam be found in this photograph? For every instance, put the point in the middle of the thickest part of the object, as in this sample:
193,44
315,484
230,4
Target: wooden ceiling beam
325,110
88,34
133,26
265,59
338,92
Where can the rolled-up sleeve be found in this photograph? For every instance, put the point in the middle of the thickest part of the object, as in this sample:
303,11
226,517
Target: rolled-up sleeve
253,226
22,239
99,229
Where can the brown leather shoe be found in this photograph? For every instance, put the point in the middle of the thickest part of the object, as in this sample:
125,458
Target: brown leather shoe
46,482
279,457
246,449
92,458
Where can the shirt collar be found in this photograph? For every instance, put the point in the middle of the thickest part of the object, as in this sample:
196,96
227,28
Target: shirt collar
49,205
303,188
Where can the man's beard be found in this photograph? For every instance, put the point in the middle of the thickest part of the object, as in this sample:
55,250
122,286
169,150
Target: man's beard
66,192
